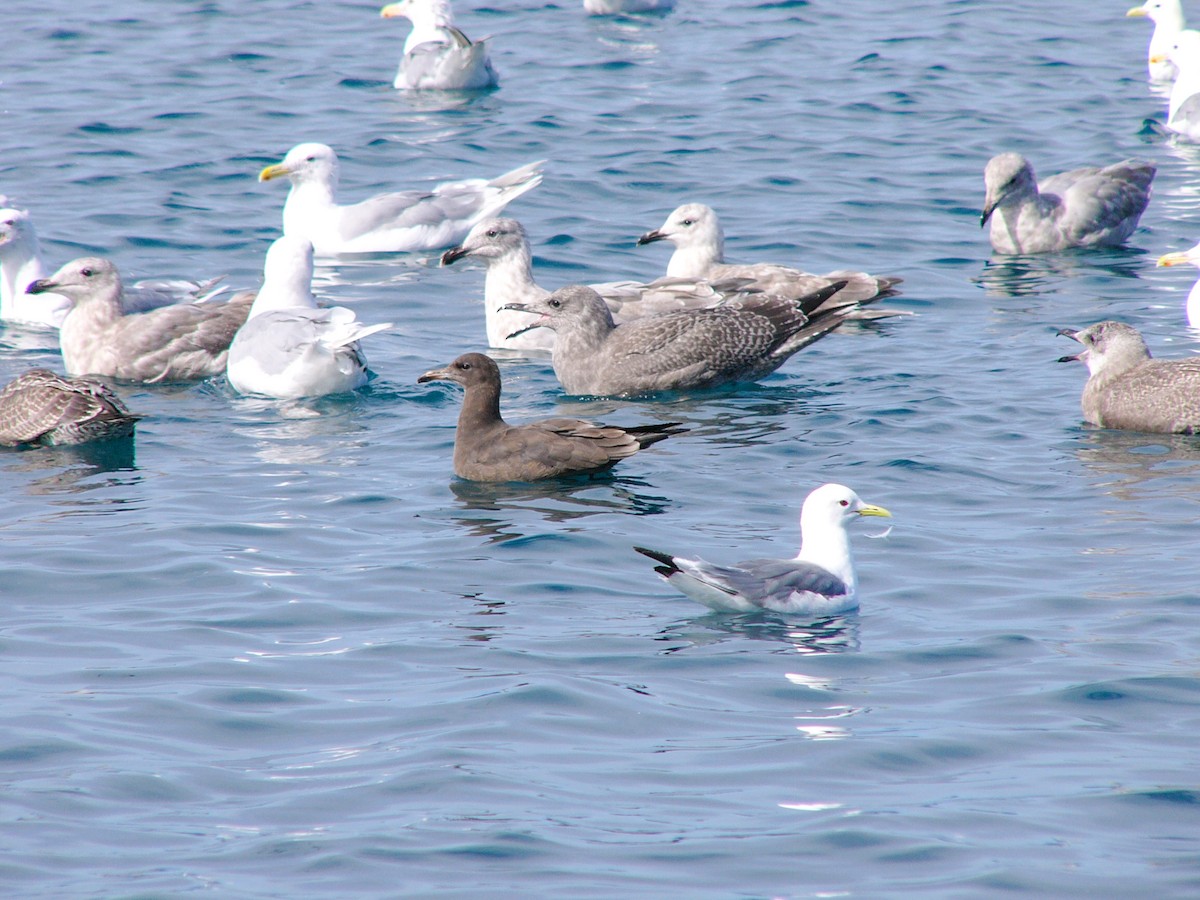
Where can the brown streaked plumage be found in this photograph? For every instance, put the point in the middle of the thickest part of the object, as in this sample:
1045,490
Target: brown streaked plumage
486,448
40,407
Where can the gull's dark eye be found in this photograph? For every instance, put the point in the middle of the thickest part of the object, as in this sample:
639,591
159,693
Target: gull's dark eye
86,272
464,365
555,304
689,222
843,503
492,232
310,159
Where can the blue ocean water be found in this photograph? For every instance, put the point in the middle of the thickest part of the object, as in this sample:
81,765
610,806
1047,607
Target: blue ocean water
280,651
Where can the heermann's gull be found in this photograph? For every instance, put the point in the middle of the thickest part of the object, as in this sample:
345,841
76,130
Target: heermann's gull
183,342
1167,16
1183,106
820,581
689,348
437,55
1088,207
21,263
40,407
486,448
699,242
1129,390
406,221
503,246
289,347
1193,300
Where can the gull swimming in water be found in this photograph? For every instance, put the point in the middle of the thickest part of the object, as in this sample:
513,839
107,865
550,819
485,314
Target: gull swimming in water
699,242
40,407
1193,299
290,347
1089,207
819,582
504,247
1183,106
486,448
437,55
1127,389
689,348
182,342
1167,16
386,223
21,264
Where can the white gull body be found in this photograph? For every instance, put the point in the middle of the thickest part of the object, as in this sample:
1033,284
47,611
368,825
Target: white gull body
1167,16
437,55
1183,106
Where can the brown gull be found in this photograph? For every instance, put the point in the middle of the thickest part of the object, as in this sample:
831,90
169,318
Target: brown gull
1127,389
1088,207
486,448
183,342
40,407
819,581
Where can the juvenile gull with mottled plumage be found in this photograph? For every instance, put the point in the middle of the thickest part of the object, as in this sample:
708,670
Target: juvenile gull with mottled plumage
1090,207
486,448
820,581
184,342
41,407
1127,389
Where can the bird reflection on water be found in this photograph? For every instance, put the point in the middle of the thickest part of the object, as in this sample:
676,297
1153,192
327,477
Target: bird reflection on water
835,634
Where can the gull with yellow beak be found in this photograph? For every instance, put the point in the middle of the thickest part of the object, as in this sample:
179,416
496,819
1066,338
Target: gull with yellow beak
819,582
1167,16
404,222
1183,107
437,55
1193,299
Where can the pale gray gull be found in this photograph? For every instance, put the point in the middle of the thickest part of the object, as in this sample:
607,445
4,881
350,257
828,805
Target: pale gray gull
1167,16
289,347
399,222
626,7
1192,307
437,55
1127,389
182,342
699,242
1183,106
21,263
820,581
486,448
41,407
743,340
1089,207
503,246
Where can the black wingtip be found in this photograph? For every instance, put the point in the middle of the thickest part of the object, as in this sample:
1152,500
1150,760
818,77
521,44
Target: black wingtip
668,566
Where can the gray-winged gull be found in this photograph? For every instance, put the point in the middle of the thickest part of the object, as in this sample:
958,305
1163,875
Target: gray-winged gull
1090,207
21,263
289,347
820,581
183,342
399,222
699,242
486,448
40,407
743,340
504,247
1167,16
1127,389
1193,299
1183,106
437,55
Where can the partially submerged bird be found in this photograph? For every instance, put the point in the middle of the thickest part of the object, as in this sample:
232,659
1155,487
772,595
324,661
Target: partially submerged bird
626,7
437,55
290,347
1127,389
183,342
21,264
503,246
1183,106
699,242
1167,16
1090,207
689,348
820,581
486,448
397,222
40,407
1193,299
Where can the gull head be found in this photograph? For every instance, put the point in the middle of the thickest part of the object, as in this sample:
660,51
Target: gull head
834,506
1007,177
1184,51
690,225
303,163
432,11
575,306
490,239
468,369
15,227
82,279
1180,258
1107,347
